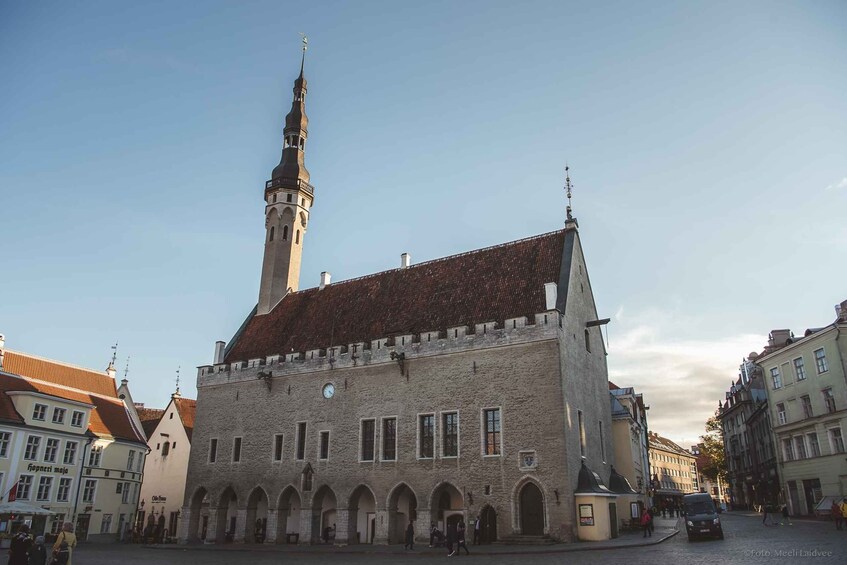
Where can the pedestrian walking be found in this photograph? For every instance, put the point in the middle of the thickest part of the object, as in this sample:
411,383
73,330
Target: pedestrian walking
19,547
451,540
410,536
844,510
837,516
63,549
765,512
460,538
476,525
38,553
646,522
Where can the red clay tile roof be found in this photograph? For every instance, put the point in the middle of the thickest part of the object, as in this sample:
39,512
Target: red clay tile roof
186,408
109,416
149,419
486,285
59,373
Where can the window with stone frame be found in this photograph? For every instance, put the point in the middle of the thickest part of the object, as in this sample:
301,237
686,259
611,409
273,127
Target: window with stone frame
39,412
781,416
59,415
70,453
45,485
820,361
450,434
76,418
389,439
788,449
5,437
64,490
491,434
88,490
829,400
50,450
776,380
814,446
31,450
24,487
367,433
807,405
836,440
799,369
800,447
426,436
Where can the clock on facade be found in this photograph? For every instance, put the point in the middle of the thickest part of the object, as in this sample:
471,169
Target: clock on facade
328,390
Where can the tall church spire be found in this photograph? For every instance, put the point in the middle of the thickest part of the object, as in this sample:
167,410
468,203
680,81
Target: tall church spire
288,199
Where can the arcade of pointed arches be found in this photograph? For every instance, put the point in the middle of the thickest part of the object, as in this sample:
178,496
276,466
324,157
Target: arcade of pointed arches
358,516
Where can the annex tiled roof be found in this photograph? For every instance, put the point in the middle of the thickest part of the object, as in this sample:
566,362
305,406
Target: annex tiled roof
59,373
149,419
187,409
490,284
108,417
660,442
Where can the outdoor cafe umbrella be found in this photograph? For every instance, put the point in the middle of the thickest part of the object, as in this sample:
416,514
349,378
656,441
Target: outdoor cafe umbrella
22,508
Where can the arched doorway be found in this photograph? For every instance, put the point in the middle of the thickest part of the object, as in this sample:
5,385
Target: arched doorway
227,516
199,521
323,515
532,510
446,506
288,515
488,525
402,507
255,527
362,516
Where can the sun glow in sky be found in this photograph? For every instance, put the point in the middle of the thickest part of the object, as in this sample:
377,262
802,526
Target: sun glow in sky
707,143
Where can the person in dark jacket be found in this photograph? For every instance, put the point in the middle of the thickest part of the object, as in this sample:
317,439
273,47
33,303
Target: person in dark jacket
19,548
410,536
38,553
460,538
451,540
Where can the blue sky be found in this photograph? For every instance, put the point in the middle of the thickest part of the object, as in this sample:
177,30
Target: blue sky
707,144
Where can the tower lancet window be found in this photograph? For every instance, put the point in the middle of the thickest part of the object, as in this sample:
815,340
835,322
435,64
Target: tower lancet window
271,237
297,237
285,233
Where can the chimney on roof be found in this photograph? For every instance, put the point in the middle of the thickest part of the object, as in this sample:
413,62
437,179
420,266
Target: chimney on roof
219,352
551,292
840,314
325,278
2,346
779,338
405,261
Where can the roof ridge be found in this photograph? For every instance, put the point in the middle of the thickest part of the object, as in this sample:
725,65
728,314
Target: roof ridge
69,388
439,259
48,360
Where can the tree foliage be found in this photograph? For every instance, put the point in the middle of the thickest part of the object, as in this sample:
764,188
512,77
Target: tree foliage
714,459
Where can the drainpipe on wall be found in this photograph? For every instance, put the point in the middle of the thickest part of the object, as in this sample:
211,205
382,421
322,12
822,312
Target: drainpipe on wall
79,479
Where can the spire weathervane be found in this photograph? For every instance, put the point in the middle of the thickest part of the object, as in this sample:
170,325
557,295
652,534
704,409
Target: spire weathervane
569,189
126,369
114,353
177,378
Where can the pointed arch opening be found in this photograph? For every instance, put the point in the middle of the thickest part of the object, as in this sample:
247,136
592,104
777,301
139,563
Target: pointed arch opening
361,515
198,524
288,514
227,516
531,509
256,523
402,508
487,525
284,233
324,505
447,507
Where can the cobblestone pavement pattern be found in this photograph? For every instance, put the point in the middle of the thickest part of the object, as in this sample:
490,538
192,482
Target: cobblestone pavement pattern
747,541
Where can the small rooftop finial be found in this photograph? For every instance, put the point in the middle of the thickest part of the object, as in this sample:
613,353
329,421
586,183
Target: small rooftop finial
568,189
114,354
305,41
126,369
177,379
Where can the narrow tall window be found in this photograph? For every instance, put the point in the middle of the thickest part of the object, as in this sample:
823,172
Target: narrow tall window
301,441
807,405
323,454
587,340
788,449
24,486
297,237
271,237
64,491
166,448
284,233
820,361
426,431
491,437
278,438
88,491
389,439
777,380
799,369
4,443
288,198
236,450
94,456
814,446
51,449
602,442
213,450
367,440
800,447
32,445
829,399
45,484
836,440
450,435
581,433
130,460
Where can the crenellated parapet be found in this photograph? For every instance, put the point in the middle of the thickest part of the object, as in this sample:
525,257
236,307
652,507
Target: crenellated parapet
546,325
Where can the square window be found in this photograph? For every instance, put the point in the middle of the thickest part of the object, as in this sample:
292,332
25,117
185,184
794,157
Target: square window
59,415
39,412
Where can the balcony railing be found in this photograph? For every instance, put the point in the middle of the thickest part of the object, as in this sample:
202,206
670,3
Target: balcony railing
290,183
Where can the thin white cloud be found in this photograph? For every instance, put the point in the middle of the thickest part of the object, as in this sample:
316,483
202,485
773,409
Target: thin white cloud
682,378
838,185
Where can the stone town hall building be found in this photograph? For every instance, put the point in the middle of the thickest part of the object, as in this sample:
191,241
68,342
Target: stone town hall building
472,385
